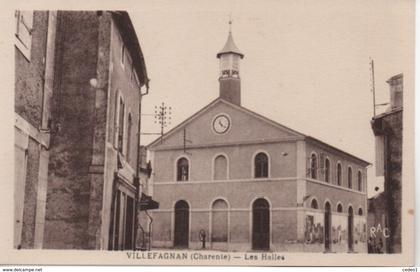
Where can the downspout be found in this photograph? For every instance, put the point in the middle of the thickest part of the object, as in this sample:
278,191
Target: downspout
137,177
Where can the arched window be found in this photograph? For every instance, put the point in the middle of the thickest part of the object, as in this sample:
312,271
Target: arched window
314,166
359,181
219,227
261,165
220,168
314,204
182,169
327,170
339,174
349,177
339,208
360,211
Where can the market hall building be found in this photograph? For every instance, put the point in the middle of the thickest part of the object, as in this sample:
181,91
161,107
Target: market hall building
250,183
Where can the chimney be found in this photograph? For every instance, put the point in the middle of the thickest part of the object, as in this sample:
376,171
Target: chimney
396,91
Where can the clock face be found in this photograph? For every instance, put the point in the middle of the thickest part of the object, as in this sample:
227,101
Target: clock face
221,124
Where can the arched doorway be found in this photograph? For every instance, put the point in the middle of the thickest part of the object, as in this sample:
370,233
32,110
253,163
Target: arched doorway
261,224
327,227
182,220
219,224
350,229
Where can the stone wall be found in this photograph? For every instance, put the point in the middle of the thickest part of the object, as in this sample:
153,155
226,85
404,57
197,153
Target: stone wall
68,194
29,73
393,181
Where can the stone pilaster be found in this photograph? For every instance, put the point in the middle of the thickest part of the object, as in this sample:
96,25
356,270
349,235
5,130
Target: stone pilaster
301,187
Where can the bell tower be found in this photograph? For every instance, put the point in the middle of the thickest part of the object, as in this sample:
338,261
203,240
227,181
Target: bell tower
229,79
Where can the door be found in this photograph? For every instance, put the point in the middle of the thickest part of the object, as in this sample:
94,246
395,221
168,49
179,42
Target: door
182,220
350,229
261,225
327,227
129,224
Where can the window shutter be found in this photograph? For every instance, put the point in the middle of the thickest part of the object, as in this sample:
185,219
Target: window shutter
121,127
125,132
116,119
24,21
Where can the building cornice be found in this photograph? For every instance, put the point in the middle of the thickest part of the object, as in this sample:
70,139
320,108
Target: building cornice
335,150
236,143
259,180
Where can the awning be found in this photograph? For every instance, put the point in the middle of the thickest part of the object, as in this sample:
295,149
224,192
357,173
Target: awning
147,203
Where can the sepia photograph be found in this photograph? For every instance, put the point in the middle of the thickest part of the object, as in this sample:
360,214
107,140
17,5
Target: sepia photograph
253,133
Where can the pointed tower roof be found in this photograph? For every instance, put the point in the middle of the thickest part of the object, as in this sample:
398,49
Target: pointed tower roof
230,46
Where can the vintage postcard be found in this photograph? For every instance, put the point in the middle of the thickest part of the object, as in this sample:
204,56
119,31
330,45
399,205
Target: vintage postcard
256,133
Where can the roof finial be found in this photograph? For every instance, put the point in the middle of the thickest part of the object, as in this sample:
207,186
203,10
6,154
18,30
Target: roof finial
230,22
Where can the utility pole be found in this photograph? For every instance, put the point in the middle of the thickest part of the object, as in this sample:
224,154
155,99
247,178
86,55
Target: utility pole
163,117
137,177
372,69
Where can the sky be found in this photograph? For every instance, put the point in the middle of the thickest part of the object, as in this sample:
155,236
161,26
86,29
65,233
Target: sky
306,63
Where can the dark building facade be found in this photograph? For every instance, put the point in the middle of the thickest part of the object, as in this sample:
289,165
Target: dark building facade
388,129
88,180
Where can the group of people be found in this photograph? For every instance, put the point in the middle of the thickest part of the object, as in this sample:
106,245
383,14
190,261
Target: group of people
375,245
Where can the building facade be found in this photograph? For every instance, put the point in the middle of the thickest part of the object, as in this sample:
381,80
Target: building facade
90,177
242,182
386,208
34,72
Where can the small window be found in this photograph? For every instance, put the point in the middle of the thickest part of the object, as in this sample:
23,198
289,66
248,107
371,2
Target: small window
339,174
314,204
261,165
182,168
314,166
349,177
360,211
23,34
339,208
359,181
327,170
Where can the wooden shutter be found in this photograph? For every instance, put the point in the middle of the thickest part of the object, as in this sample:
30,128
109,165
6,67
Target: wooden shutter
24,21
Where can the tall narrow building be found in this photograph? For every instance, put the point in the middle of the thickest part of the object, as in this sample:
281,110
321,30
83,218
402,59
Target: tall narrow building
385,208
